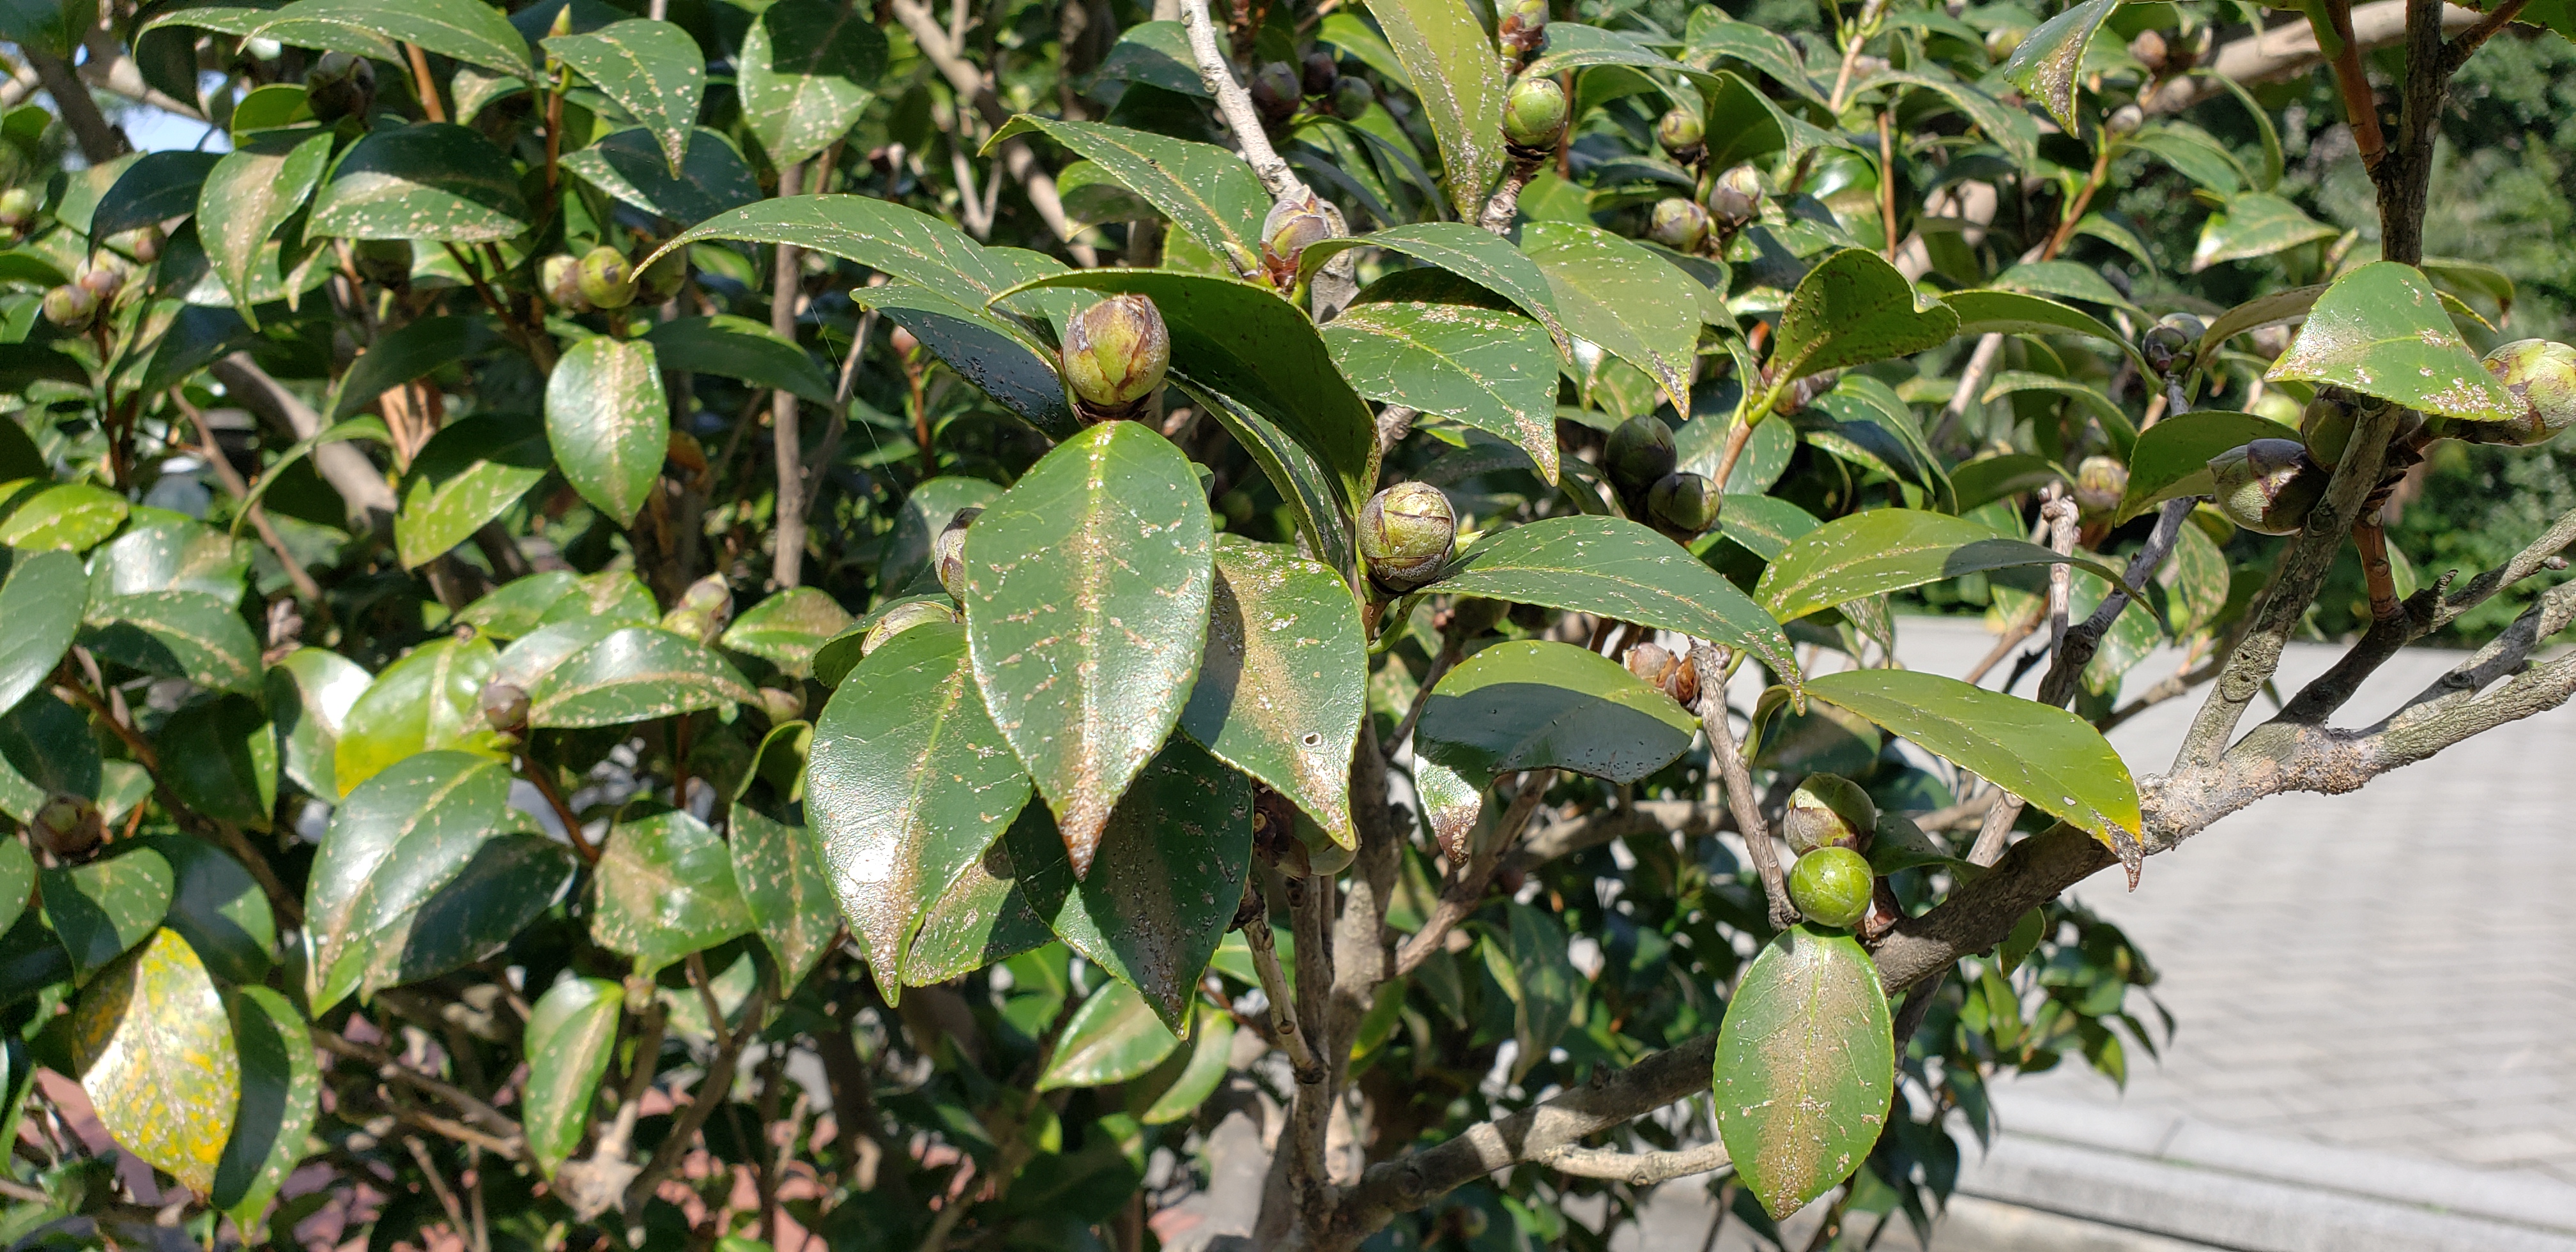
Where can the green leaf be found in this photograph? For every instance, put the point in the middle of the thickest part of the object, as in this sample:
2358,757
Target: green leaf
628,165
905,243
1617,569
783,884
218,908
1744,124
609,423
1280,690
431,181
2195,154
635,674
986,917
17,882
2009,127
1884,550
68,515
177,634
156,1057
405,354
102,909
1313,496
1853,309
468,30
42,602
1194,1076
47,746
426,702
1713,33
1481,257
652,69
2017,313
1763,525
513,608
511,880
2272,308
219,757
786,628
571,1034
665,890
470,472
1623,297
1489,369
1537,704
983,350
2254,224
2047,61
1459,78
393,843
1806,1065
926,510
2047,756
1204,189
1544,983
1992,478
610,595
1158,55
2172,456
154,188
2380,330
168,553
1112,1038
1088,585
281,1094
805,73
738,347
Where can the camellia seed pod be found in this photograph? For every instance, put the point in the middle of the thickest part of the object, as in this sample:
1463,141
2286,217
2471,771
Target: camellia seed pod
2540,374
2267,486
68,826
1831,886
1291,226
1317,73
1685,501
17,208
607,279
1522,27
2100,482
340,85
143,243
1352,97
901,618
505,706
2325,425
2170,342
1828,811
1679,224
949,551
71,307
1534,116
1735,198
1115,353
1405,535
1639,454
1275,92
559,276
1682,136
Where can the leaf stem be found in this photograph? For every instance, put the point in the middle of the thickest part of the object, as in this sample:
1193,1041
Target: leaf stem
430,107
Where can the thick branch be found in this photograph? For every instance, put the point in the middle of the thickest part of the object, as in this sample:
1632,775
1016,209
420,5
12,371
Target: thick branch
786,285
99,141
1637,1169
1236,104
360,484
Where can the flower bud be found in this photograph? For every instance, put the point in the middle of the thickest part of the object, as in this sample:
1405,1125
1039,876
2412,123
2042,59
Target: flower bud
1679,224
1651,662
1405,535
388,261
1522,27
660,281
2267,486
1290,228
68,826
17,208
949,552
2125,120
711,597
781,705
340,85
2325,425
1828,811
1470,616
2100,482
1115,353
71,307
1534,115
262,48
1682,136
1352,97
1735,198
1317,73
607,281
1639,454
2165,346
143,243
901,618
2542,376
2149,49
505,706
2002,40
102,282
559,276
1684,501
1275,92
1831,886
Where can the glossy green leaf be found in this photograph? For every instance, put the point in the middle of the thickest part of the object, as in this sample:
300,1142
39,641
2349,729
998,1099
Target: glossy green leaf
2049,757
2009,127
1619,295
402,355
984,350
1617,569
1479,256
468,30
610,595
156,1057
1763,525
177,634
2272,308
628,165
101,910
1806,1066
783,884
47,745
652,69
1458,75
2019,313
2380,330
427,701
511,880
1852,309
17,882
1088,585
281,1094
1536,704
2254,224
609,423
1489,369
1112,1038
1744,124
168,553
251,192
434,181
986,916
218,908
1177,1088
738,347
2172,456
636,674
393,843
1883,550
2195,154
153,188
220,757
469,473
1992,478
76,516
1280,689
338,432
1313,494
1204,189
513,608
2047,61
905,243
42,601
1713,33
786,628
806,70
665,889
571,1035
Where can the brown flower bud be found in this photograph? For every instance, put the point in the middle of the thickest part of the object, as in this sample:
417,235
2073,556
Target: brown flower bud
68,826
340,85
1828,811
71,307
1317,73
1291,227
505,706
2149,49
1650,662
1522,26
1405,534
1115,353
949,551
102,281
2267,486
781,705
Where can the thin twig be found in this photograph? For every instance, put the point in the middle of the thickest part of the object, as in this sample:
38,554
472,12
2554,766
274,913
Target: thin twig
1274,988
787,566
1738,778
1236,105
392,1067
233,482
427,87
1466,886
710,1093
2456,53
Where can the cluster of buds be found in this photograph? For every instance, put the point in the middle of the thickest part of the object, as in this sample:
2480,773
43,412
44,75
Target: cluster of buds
75,305
1829,823
603,278
1682,136
1115,354
703,610
1534,117
2267,486
1665,671
1278,89
1406,532
2542,376
1641,462
2171,342
340,85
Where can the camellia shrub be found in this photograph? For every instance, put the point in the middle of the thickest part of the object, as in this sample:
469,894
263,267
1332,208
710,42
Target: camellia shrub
733,624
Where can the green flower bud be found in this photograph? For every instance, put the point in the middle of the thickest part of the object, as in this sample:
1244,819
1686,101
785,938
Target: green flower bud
143,243
1275,92
340,85
2540,374
1682,136
1679,224
607,281
559,276
18,208
1831,886
2100,482
1534,114
1115,353
2002,40
505,706
102,281
388,261
71,307
1317,73
1522,27
1735,198
1291,226
2267,486
660,281
1639,454
711,596
68,826
901,618
949,551
1684,501
2168,344
2325,425
1828,811
781,705
1405,535
1352,97
2125,120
